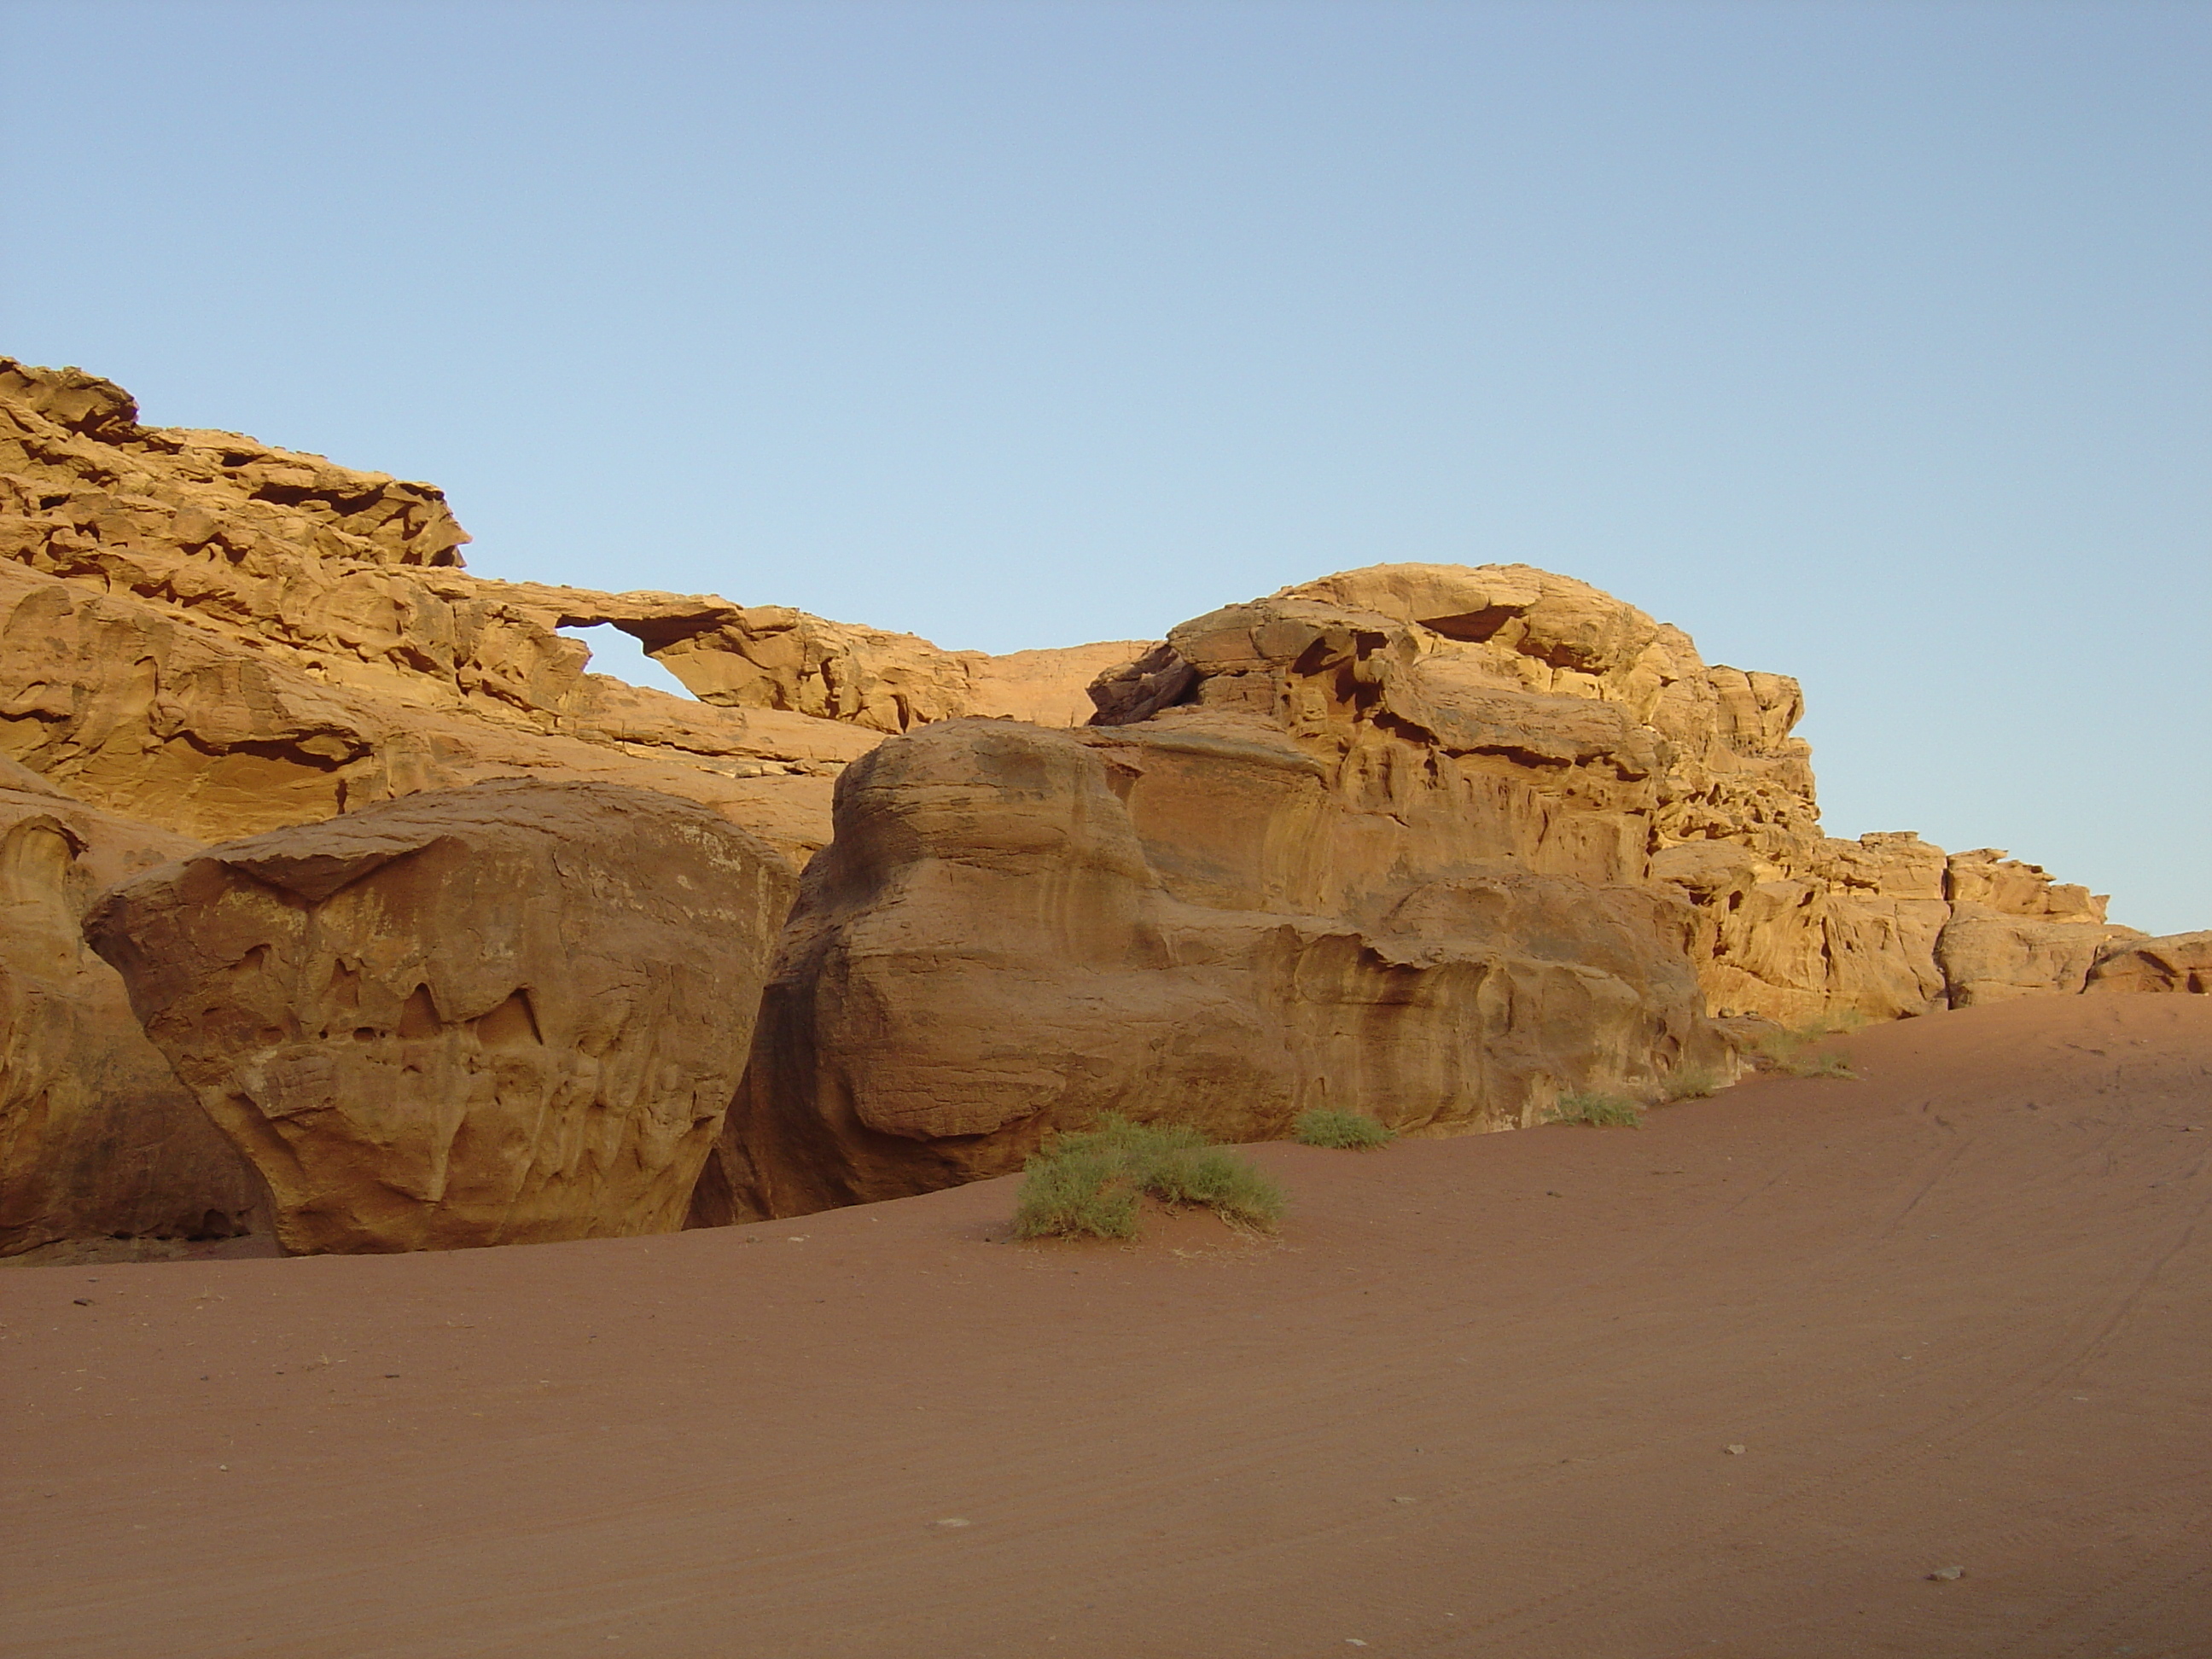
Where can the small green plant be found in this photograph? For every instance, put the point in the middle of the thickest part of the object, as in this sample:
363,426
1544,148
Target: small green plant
1789,1051
1073,1195
1090,1184
1691,1083
1599,1111
1327,1126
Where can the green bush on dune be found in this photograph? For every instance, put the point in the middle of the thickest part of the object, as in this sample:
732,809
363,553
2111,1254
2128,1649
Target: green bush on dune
1691,1083
1091,1183
1326,1125
1791,1051
1598,1110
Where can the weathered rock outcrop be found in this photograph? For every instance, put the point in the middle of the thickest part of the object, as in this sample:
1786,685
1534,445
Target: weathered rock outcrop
97,1137
774,657
2176,962
1574,716
1015,930
218,637
2012,932
1824,926
509,1013
1568,701
1430,841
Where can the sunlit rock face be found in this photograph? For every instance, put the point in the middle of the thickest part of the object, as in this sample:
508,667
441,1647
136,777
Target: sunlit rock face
2174,962
1436,841
1433,842
216,636
1316,854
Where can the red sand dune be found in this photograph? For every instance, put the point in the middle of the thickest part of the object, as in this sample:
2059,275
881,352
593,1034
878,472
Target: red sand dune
1478,1400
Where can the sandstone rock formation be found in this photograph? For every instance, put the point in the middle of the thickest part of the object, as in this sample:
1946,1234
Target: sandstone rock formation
773,657
2176,962
217,637
2012,932
1429,840
1217,914
1579,715
508,1013
97,1137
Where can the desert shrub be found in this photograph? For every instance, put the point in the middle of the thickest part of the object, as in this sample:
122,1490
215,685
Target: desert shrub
1326,1125
1090,1182
1217,1179
1072,1195
1804,1064
1599,1111
1691,1083
1789,1051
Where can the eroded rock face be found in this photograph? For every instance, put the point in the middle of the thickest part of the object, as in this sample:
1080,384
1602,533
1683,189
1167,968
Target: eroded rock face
1429,841
97,1137
203,633
1015,930
1566,719
505,1014
1358,820
2014,932
2176,962
1832,926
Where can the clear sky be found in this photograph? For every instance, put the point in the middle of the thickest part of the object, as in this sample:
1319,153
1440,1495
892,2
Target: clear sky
1871,343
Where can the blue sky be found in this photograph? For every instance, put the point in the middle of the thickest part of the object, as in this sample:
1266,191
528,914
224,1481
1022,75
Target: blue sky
1867,341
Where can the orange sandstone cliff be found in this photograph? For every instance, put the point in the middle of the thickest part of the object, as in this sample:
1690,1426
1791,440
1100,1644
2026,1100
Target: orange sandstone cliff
1433,841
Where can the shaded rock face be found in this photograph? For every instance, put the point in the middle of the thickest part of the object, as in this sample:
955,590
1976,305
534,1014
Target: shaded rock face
2176,962
1016,930
97,1137
505,1014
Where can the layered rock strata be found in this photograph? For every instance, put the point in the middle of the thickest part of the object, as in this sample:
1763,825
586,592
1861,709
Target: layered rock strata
505,1014
97,1137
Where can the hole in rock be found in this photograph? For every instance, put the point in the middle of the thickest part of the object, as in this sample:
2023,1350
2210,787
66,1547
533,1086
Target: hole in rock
419,1019
1473,625
344,989
615,652
513,1024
